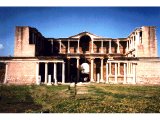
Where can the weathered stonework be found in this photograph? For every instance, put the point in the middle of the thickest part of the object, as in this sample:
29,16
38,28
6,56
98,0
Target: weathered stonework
40,60
21,73
148,71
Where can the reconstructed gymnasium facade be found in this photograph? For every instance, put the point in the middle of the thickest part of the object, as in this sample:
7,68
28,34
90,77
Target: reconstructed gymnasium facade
84,57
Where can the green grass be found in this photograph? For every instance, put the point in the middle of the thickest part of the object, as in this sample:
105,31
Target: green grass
100,98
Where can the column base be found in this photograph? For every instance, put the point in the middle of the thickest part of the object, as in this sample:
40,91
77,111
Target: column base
115,82
45,83
49,83
56,84
102,81
107,82
92,80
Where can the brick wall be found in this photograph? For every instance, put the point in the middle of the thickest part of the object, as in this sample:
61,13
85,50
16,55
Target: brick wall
148,71
22,47
148,47
21,73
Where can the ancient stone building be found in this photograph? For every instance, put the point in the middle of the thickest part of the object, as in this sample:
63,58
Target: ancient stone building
84,57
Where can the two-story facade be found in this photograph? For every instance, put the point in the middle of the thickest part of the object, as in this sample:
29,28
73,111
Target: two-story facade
84,57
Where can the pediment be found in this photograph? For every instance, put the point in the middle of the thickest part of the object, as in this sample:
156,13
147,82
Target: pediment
85,33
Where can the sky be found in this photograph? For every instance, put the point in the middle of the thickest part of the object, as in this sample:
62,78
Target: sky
58,22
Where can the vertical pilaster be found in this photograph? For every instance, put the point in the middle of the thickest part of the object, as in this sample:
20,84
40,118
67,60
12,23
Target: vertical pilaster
55,74
46,73
101,80
6,73
63,72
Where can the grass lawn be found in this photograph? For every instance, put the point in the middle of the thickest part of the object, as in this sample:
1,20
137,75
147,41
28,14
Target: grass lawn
97,98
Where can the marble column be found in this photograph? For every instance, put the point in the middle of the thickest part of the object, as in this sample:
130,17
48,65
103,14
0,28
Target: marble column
134,73
46,73
55,74
127,47
68,46
125,74
102,47
110,50
118,50
107,77
6,73
92,69
92,48
49,80
119,67
131,68
63,72
101,80
116,73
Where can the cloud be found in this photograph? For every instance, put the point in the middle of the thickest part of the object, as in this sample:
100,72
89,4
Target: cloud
1,46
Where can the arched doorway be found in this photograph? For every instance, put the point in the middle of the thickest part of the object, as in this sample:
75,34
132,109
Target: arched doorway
84,43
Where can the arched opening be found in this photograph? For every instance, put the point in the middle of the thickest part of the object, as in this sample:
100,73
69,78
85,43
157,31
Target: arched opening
84,43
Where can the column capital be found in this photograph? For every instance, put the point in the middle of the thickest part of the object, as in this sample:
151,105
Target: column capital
92,58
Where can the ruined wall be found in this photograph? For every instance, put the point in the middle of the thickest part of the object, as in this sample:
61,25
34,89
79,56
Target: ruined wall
148,71
147,46
22,47
21,73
